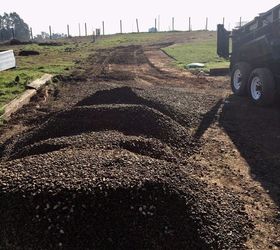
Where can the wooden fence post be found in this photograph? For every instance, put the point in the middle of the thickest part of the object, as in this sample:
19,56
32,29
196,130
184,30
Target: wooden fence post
103,28
68,31
79,30
93,36
31,33
50,29
190,25
137,24
206,25
121,26
173,23
85,29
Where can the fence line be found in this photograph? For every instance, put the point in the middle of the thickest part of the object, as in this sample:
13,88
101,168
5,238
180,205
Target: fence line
156,27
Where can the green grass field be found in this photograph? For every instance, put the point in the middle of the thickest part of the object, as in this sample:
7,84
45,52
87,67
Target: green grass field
197,52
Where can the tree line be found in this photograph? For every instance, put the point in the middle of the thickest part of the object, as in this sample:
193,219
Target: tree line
12,26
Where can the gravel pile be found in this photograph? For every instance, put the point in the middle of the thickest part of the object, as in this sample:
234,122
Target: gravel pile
112,172
129,119
88,197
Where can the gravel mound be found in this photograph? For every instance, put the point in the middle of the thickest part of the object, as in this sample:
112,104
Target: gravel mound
129,119
112,172
127,95
98,140
96,199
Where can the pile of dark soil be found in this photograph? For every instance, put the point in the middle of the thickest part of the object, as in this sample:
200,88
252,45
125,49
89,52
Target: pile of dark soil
28,53
18,42
50,44
73,77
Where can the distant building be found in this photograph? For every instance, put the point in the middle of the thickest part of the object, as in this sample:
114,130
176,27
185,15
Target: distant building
153,30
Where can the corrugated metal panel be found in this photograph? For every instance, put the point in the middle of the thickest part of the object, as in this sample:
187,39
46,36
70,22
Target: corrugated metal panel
7,60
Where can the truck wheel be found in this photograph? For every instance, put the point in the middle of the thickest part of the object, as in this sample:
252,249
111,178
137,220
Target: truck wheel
262,87
239,78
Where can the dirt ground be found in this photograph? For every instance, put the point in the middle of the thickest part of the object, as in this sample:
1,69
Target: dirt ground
129,152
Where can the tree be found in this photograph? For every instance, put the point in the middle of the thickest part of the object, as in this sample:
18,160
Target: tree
20,27
12,26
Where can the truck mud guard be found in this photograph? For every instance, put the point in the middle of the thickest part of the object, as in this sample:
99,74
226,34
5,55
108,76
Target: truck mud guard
223,41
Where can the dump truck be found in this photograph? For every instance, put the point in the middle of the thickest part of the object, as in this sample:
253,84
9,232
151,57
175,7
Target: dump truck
254,54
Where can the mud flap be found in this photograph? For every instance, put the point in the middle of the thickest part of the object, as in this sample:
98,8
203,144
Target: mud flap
223,41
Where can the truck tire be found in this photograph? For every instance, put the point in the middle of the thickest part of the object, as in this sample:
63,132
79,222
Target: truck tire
239,78
262,87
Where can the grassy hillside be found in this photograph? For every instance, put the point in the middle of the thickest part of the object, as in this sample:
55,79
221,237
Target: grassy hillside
133,38
197,52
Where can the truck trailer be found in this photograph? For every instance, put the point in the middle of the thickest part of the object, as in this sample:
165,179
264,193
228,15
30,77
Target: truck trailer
254,56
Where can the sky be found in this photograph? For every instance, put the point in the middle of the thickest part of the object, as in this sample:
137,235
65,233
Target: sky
40,14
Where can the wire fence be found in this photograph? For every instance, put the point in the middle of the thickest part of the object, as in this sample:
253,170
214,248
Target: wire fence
153,28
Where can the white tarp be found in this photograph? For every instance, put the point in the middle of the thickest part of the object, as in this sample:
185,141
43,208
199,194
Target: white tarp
195,65
7,60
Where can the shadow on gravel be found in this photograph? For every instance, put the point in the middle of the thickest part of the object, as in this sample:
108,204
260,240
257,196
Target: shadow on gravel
256,133
208,119
37,149
147,147
147,217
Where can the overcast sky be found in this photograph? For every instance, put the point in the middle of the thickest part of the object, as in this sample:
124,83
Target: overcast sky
40,14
